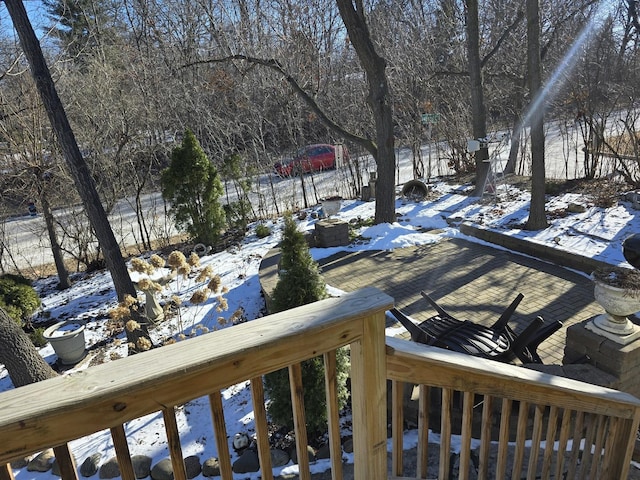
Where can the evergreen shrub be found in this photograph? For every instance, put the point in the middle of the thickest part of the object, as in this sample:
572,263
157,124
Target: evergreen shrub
300,283
18,298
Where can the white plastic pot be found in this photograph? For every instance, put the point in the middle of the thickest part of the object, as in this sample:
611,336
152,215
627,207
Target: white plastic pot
67,340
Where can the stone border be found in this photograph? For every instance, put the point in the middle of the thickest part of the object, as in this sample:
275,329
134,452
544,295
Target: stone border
537,250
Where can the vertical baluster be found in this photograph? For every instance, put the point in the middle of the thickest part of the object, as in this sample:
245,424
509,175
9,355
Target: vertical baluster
563,439
6,472
66,462
397,427
552,428
575,447
521,436
220,432
465,447
119,437
536,438
587,455
445,432
485,436
610,451
262,431
503,439
597,452
173,441
422,451
333,414
299,422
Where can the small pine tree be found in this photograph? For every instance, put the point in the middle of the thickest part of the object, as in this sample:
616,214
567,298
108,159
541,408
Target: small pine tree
299,280
300,283
192,184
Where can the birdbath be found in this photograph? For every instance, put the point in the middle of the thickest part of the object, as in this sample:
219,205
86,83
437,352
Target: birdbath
152,308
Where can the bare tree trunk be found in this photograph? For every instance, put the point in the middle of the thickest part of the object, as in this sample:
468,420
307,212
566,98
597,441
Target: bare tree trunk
537,216
478,111
19,356
56,250
60,124
352,13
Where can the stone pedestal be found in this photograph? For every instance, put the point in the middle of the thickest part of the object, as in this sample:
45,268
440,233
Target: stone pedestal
621,361
332,232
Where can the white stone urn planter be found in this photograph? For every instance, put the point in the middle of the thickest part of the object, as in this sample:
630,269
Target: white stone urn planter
67,340
331,206
618,302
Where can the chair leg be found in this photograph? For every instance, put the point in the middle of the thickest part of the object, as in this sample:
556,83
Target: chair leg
441,311
522,340
501,323
418,335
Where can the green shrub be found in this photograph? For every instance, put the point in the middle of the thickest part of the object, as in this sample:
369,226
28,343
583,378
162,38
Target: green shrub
37,337
18,298
262,230
300,283
192,184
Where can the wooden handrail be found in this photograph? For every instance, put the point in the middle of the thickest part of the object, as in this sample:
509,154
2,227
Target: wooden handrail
56,411
534,408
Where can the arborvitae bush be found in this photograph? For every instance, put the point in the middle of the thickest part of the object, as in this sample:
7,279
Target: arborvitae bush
18,298
193,185
300,283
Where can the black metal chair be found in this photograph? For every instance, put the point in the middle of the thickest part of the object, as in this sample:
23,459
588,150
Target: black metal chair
498,342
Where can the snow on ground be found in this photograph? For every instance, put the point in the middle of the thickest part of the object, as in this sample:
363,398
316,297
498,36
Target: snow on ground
596,233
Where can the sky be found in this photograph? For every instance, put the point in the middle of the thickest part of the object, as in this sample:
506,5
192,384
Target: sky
596,233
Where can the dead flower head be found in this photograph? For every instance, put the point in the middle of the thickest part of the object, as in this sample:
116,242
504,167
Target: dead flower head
147,285
194,260
157,261
205,274
199,296
141,266
132,326
176,259
215,283
143,344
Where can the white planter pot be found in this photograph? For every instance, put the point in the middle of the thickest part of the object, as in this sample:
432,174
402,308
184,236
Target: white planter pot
67,341
331,207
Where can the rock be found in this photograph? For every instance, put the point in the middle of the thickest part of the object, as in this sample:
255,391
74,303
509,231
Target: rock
211,467
192,466
247,463
347,446
141,466
240,441
109,469
20,463
576,208
310,452
163,470
90,465
323,452
279,457
42,462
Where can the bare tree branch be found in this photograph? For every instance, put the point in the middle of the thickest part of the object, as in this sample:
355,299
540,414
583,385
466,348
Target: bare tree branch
308,99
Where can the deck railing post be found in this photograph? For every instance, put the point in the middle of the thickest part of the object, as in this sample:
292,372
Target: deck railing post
368,391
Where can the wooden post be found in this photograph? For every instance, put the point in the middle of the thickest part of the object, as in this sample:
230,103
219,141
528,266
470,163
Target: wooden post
368,391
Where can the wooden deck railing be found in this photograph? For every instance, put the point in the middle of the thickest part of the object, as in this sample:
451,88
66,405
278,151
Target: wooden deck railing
564,428
105,397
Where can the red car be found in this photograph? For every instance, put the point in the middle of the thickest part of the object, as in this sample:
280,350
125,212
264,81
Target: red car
312,158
